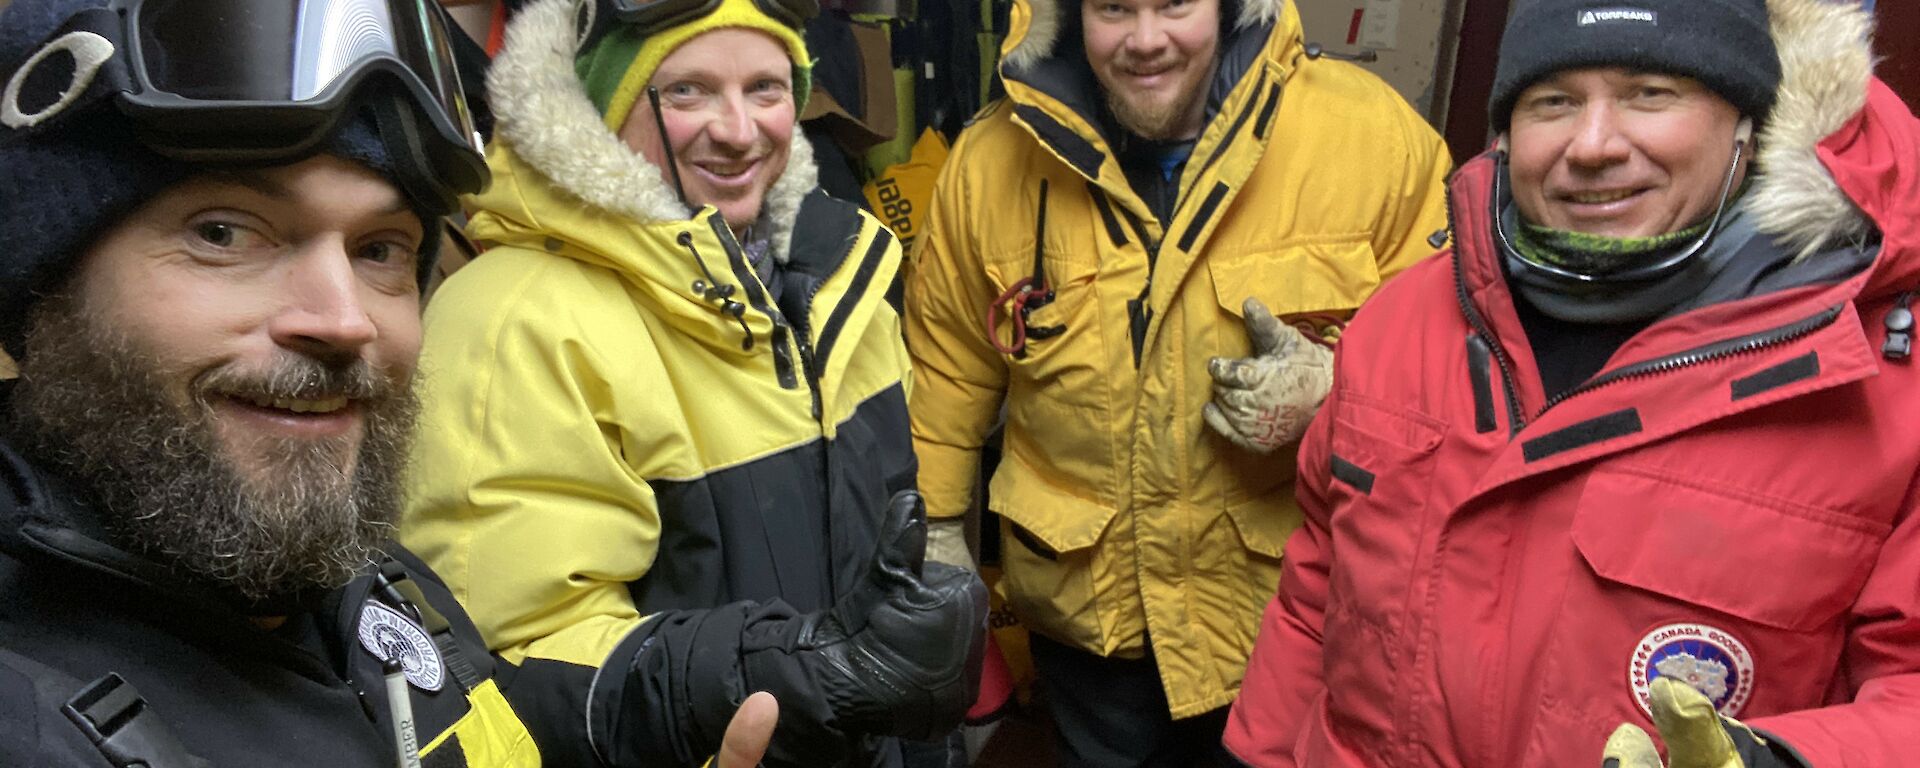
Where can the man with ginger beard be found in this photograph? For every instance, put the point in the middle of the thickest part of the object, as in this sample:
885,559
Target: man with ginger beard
217,325
1144,252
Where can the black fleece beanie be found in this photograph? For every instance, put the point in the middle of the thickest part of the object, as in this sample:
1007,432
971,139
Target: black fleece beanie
1725,44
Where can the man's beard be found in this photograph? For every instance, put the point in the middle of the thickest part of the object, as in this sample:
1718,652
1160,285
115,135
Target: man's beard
1159,120
92,405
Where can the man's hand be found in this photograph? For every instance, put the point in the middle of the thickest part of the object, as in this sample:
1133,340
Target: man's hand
1265,401
749,732
900,654
1696,736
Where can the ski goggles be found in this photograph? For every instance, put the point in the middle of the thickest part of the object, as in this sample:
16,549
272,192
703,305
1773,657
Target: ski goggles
246,82
651,16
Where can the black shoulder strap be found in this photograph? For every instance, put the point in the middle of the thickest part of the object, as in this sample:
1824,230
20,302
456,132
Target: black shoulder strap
393,585
119,722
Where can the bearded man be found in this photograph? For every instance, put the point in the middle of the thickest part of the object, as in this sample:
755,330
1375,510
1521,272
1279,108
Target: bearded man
212,286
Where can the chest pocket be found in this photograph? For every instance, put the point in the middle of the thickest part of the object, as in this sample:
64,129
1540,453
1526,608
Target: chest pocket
1059,357
1745,597
1318,282
1381,465
1765,561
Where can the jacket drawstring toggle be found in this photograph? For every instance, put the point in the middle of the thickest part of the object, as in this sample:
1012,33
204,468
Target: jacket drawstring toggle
710,290
1899,322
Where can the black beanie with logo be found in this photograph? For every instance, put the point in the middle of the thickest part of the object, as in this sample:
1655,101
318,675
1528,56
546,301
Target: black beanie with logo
1724,44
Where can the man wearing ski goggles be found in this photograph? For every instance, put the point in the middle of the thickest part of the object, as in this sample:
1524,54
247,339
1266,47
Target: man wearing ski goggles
218,216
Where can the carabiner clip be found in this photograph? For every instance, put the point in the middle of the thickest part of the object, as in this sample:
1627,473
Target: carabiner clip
1026,295
1018,301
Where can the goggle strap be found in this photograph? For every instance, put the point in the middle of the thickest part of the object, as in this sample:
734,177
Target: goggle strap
654,15
406,147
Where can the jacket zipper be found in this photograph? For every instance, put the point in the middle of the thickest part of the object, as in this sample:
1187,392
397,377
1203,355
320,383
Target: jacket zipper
1225,143
1139,312
802,336
1480,328
1717,351
782,355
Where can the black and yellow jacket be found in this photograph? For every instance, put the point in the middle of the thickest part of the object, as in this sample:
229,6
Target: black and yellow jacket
603,437
86,624
1312,184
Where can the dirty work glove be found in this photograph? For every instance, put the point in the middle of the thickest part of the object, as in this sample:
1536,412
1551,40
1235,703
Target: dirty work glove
947,543
1696,736
897,655
1265,401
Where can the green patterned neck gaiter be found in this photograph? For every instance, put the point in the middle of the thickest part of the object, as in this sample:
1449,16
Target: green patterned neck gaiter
1596,255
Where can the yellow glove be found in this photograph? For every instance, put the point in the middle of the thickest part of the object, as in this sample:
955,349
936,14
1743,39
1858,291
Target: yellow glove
1696,736
1265,401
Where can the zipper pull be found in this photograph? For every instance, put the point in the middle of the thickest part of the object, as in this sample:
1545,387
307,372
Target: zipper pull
1140,316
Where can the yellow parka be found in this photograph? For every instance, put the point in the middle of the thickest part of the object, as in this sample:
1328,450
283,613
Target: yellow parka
1124,516
620,418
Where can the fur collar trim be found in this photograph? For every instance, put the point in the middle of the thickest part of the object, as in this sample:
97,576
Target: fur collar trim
542,111
1826,66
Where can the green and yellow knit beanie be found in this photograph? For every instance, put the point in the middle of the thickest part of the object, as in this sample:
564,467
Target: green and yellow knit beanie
616,68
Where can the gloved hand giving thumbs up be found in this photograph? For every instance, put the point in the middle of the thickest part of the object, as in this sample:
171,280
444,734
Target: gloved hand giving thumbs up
1265,401
1696,736
897,654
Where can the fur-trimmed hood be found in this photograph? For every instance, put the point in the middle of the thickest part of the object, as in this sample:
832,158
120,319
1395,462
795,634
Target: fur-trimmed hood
1826,67
1036,26
546,123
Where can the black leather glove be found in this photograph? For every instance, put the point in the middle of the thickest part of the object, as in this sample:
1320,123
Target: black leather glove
898,655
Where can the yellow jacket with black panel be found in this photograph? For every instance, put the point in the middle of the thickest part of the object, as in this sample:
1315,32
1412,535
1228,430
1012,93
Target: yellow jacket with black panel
1311,184
620,419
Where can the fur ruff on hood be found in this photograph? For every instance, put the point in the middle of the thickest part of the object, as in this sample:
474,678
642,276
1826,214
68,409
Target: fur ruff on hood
1826,64
542,112
1044,19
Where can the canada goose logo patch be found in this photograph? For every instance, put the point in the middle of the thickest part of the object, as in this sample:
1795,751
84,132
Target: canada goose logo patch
388,635
1710,659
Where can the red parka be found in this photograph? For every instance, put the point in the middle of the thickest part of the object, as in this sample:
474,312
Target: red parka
1487,578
